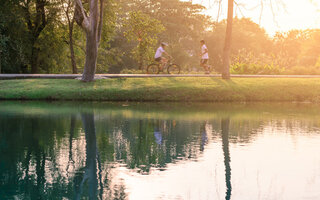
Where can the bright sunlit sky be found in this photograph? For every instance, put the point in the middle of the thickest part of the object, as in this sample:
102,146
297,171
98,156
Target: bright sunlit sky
288,14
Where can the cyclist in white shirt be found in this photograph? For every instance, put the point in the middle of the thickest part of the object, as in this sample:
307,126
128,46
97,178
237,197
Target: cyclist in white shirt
204,57
159,57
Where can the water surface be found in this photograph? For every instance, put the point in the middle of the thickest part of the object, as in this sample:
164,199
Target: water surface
140,151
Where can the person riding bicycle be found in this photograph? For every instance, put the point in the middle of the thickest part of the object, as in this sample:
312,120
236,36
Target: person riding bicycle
158,56
204,57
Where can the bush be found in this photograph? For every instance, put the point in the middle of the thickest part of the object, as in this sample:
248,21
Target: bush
132,71
303,70
252,68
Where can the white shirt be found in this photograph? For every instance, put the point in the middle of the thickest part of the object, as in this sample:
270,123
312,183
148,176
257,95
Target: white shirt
159,52
203,50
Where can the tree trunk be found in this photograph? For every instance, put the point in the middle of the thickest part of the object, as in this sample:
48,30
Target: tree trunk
73,59
92,25
35,28
34,59
140,57
0,60
91,58
227,44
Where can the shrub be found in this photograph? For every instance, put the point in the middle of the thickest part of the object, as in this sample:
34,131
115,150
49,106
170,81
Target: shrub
132,71
303,70
252,68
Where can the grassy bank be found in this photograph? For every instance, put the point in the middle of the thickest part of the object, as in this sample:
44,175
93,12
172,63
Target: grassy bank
165,89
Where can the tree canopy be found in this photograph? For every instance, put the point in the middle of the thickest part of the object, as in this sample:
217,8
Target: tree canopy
37,37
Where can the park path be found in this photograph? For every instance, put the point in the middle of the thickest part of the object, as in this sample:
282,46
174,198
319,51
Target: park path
73,76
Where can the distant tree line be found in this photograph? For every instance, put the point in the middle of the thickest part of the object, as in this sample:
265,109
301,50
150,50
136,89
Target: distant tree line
40,36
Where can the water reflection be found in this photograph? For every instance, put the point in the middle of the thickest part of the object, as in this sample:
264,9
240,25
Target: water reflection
225,122
204,135
111,152
157,132
70,164
90,172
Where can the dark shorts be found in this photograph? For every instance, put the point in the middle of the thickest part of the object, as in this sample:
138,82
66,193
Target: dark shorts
158,59
204,61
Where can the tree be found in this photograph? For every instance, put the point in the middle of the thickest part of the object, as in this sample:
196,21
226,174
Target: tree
69,12
3,40
92,26
184,23
228,37
227,44
37,17
185,26
18,29
144,30
247,38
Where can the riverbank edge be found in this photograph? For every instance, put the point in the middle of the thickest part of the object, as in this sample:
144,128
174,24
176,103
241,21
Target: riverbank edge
102,76
165,89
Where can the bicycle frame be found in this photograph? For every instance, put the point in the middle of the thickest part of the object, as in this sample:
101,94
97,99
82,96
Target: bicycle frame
166,65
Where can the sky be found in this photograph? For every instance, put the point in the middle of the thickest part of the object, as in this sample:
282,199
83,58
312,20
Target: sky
288,14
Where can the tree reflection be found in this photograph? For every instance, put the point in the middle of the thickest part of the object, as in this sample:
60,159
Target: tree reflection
55,158
91,180
90,172
28,144
72,130
225,122
152,143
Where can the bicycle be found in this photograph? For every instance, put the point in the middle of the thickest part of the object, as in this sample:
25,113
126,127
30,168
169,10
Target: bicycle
155,68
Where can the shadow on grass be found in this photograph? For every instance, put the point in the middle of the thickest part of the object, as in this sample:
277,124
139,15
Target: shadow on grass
223,82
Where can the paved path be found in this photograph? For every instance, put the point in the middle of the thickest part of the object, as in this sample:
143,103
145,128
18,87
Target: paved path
73,76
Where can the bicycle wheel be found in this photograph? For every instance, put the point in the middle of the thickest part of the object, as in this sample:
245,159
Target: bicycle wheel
174,69
153,69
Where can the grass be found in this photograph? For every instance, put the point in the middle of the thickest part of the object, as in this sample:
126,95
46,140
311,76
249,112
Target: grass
165,89
164,110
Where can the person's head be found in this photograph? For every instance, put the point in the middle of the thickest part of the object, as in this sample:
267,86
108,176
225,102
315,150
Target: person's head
202,42
163,44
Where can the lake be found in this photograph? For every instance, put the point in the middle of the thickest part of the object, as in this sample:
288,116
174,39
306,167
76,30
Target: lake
78,150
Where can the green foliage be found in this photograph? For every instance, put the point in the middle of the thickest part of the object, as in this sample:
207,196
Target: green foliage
52,44
184,26
108,56
303,70
132,71
142,30
14,42
131,31
246,36
298,47
245,62
54,55
251,68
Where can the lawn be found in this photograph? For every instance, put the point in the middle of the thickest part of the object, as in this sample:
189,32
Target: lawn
194,89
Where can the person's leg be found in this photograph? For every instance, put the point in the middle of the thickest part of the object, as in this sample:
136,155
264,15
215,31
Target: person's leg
203,64
158,59
163,63
206,66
